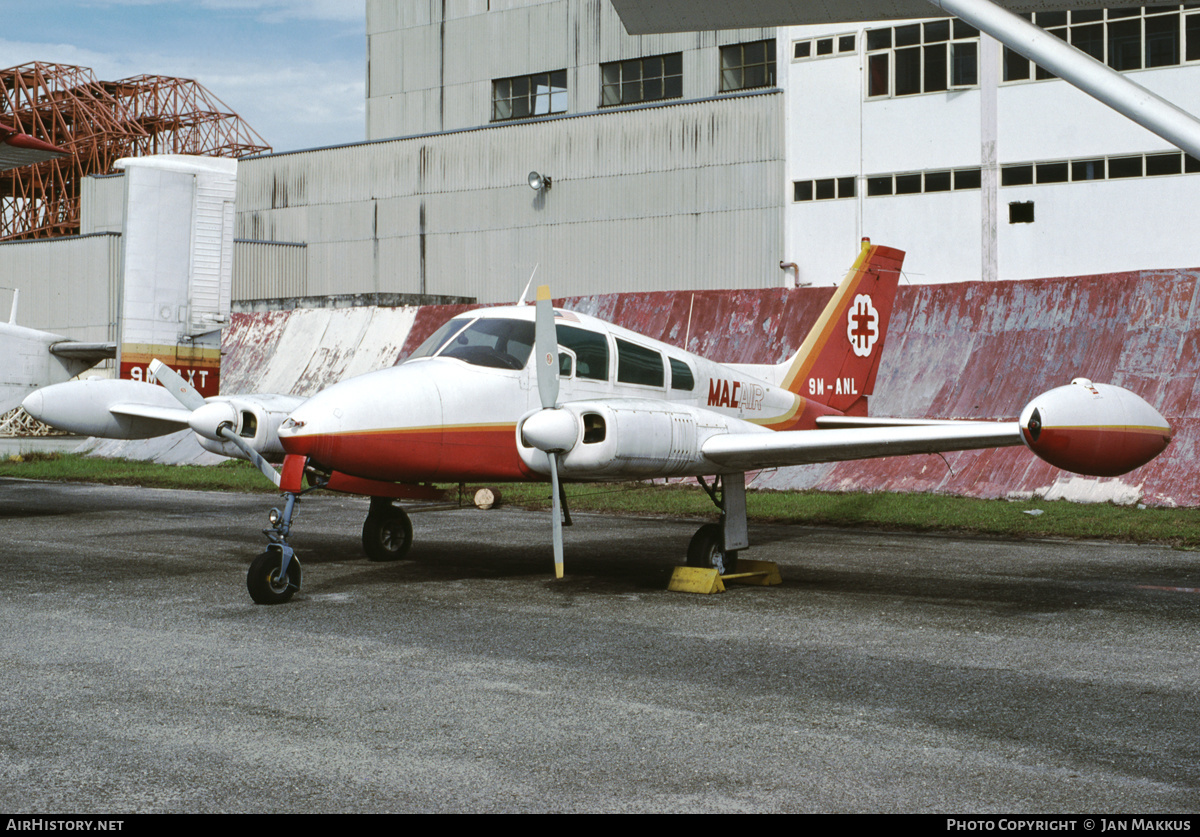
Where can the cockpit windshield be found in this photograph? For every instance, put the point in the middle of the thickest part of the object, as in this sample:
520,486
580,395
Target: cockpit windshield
495,342
438,339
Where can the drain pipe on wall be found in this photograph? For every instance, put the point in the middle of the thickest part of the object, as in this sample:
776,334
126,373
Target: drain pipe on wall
792,281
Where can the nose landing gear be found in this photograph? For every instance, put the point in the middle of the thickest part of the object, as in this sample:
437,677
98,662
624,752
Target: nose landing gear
274,576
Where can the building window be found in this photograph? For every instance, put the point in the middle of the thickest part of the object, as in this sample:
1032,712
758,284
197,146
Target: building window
823,190
525,96
745,66
641,80
1099,168
1020,213
925,57
1129,38
825,47
914,183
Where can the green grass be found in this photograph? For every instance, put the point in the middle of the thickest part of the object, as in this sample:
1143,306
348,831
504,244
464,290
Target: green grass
231,475
908,512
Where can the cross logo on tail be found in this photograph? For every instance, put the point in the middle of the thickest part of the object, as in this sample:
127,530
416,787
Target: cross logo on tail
862,325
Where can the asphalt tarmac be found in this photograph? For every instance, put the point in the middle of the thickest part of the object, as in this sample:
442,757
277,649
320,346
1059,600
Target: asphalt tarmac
888,673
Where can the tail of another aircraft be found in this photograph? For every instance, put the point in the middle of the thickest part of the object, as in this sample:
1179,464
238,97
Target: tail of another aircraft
178,266
837,363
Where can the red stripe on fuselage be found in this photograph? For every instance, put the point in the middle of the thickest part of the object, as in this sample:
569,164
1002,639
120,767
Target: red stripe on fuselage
452,454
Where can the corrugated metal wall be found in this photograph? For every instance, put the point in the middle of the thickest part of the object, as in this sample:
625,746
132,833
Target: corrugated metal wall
269,270
68,285
430,65
689,195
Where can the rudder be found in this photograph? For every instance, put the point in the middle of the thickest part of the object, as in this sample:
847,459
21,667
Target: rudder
837,363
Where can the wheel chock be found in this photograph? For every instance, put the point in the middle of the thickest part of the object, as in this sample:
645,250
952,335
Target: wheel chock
695,580
701,580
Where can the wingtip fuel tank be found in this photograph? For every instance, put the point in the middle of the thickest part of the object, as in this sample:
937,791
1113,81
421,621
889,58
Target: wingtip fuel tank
1098,430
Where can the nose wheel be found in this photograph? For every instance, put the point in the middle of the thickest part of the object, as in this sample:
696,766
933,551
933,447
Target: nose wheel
268,581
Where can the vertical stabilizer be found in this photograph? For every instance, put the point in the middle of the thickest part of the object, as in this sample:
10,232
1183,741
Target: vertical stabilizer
837,363
177,277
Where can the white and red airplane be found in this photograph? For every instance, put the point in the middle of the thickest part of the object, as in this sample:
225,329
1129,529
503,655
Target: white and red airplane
528,393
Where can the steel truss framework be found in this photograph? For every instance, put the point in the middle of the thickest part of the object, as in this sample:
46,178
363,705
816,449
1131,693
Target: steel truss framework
98,123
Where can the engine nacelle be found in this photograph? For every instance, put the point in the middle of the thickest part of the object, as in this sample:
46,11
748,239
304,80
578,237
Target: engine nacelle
256,418
629,438
1095,429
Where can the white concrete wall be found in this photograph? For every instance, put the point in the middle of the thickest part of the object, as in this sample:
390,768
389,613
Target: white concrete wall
833,130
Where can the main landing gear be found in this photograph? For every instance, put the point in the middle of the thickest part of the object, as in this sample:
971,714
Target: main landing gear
387,533
715,545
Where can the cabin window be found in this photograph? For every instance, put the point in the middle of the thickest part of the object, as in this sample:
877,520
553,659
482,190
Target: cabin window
681,376
638,365
494,342
590,348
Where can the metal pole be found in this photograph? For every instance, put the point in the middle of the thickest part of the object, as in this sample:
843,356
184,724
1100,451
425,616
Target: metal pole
1147,109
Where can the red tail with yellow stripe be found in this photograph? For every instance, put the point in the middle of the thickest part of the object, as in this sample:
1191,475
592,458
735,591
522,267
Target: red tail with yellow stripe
837,363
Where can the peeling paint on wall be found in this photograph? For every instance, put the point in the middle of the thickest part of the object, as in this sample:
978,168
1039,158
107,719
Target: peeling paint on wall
970,350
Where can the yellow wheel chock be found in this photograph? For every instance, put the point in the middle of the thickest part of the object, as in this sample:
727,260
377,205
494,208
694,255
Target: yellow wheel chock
708,580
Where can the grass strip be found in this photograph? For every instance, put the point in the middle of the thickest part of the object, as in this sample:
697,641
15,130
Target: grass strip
883,510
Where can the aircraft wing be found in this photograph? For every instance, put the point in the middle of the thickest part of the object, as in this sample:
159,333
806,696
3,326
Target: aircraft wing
748,451
172,415
17,149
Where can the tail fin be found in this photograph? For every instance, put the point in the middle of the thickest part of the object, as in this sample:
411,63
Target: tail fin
837,363
178,266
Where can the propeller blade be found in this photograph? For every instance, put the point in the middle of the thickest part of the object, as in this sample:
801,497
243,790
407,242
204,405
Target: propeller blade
557,512
268,470
546,346
186,394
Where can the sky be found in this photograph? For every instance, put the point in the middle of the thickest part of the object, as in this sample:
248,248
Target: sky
294,70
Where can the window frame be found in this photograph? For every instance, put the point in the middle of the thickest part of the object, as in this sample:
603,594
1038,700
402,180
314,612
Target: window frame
725,69
669,79
1097,32
507,90
914,59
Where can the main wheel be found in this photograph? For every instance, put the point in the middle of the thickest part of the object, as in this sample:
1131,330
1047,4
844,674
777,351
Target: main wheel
387,534
264,581
707,550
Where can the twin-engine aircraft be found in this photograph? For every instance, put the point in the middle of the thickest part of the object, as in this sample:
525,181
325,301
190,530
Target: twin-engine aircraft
529,393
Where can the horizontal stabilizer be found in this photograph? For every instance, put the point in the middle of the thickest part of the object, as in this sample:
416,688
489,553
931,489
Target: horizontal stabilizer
91,352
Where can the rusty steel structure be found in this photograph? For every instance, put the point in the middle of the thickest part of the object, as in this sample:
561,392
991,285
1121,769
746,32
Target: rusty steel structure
99,122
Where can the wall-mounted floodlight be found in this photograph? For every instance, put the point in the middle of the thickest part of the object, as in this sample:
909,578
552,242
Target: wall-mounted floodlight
539,182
